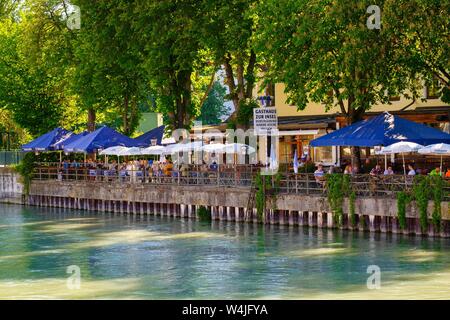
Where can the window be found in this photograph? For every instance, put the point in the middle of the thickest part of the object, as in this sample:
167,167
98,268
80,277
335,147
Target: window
323,154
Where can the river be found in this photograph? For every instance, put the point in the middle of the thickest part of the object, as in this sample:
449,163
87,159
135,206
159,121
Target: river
152,257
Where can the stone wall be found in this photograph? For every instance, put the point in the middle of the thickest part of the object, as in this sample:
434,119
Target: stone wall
10,187
230,204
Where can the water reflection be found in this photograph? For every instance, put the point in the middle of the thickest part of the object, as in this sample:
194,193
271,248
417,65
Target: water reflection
123,256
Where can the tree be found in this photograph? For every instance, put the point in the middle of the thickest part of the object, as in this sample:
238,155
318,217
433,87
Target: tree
227,29
214,108
172,56
109,72
323,51
12,136
420,32
28,89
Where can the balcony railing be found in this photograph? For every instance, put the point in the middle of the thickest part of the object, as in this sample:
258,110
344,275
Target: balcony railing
226,176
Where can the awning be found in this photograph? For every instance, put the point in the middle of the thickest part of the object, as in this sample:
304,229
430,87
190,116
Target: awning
100,139
47,141
145,140
382,130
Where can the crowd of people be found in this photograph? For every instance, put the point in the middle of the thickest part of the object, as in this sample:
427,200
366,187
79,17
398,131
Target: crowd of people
146,170
133,170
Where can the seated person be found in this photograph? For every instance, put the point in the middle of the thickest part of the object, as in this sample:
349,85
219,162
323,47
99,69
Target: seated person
447,174
348,169
411,171
388,171
319,174
168,169
376,171
184,170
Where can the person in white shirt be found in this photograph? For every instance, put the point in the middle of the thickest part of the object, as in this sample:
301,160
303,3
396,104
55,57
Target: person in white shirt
411,171
319,175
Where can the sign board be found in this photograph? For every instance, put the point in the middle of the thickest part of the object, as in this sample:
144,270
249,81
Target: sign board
265,121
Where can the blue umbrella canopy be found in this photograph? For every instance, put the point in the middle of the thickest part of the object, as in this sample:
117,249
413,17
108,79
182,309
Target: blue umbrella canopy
145,139
69,139
47,141
101,138
382,130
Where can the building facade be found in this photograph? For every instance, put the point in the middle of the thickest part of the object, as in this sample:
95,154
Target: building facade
298,127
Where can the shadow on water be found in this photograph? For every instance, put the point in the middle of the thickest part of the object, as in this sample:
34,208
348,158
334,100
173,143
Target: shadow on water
123,256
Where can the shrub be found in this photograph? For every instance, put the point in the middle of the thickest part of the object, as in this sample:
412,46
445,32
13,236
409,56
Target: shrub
204,214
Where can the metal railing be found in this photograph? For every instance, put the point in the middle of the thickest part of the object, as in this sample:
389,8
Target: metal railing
225,176
8,158
186,175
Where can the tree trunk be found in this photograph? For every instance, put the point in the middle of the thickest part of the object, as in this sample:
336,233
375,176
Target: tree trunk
125,115
133,115
245,83
183,101
354,115
91,120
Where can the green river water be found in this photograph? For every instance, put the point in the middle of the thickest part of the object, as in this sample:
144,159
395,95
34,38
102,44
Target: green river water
152,257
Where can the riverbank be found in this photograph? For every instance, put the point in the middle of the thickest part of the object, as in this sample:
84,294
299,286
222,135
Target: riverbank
230,203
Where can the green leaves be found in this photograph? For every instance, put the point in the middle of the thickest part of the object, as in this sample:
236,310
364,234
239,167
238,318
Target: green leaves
29,88
323,52
214,108
419,31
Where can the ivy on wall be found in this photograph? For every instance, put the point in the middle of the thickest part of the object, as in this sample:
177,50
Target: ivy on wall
25,168
204,214
339,187
425,188
403,198
267,187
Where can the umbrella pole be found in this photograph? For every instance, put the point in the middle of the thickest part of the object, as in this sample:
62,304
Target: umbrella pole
404,167
441,165
385,162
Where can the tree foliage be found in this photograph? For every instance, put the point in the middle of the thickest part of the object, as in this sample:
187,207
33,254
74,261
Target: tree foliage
228,31
28,87
420,33
214,108
323,51
160,55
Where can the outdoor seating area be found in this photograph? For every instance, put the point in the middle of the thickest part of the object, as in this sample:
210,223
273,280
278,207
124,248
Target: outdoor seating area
114,157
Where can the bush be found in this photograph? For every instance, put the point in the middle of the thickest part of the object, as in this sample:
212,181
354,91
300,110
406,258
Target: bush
204,214
25,168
